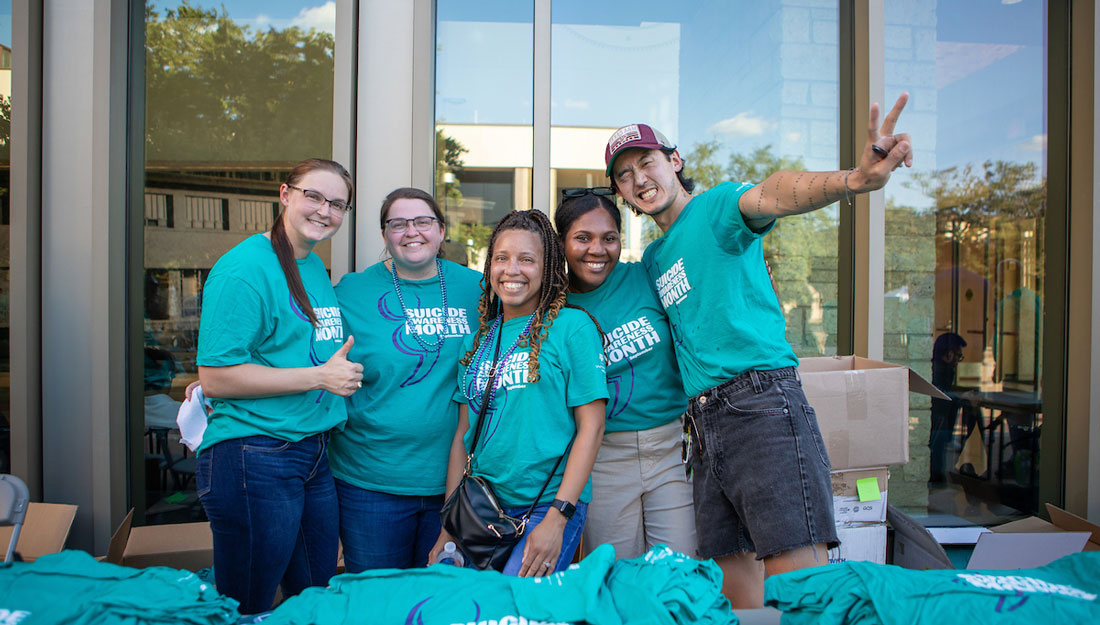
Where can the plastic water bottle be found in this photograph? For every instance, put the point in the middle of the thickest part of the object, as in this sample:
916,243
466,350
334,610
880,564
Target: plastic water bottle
450,555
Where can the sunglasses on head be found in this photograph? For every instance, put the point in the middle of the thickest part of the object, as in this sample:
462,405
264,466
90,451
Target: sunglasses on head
572,192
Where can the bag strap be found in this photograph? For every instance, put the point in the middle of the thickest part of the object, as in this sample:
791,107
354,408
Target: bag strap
542,490
484,399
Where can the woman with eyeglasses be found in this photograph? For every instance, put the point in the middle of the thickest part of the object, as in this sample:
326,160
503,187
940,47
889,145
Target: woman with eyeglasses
272,360
641,494
409,314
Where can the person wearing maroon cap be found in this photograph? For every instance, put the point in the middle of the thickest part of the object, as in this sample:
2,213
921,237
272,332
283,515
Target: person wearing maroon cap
763,498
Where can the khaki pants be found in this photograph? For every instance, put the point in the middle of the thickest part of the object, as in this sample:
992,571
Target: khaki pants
641,496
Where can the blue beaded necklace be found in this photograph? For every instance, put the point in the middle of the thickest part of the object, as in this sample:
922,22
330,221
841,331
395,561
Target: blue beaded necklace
481,356
430,347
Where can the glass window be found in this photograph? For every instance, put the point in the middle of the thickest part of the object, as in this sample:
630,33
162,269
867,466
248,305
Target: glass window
5,221
236,93
743,91
483,114
965,251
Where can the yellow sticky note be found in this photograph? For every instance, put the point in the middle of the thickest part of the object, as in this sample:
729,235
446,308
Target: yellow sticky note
868,489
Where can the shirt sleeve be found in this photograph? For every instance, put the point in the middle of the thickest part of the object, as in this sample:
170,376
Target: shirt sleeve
233,324
586,372
730,229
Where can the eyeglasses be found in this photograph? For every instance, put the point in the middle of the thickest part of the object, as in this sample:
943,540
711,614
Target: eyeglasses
398,225
316,200
572,192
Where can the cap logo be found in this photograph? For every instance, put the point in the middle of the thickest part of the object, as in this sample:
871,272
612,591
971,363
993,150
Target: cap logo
624,135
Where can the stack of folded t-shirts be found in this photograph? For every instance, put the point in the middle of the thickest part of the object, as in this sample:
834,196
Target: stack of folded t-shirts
72,587
865,593
661,587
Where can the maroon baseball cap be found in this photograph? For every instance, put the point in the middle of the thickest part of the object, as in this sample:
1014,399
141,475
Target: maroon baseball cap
633,136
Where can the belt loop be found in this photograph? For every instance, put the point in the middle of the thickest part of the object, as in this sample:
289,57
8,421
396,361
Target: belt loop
756,385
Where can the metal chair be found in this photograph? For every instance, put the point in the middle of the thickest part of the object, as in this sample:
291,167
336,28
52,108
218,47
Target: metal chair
14,499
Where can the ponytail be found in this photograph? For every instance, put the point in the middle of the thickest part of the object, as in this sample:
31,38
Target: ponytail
285,252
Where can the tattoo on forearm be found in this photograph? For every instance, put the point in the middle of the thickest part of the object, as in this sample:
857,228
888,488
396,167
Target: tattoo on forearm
778,182
813,180
794,191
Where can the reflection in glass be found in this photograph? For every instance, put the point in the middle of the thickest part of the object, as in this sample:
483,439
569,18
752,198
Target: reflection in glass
964,252
484,112
5,221
743,91
233,99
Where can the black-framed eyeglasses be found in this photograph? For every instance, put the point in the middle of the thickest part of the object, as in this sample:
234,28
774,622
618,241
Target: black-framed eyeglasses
316,200
397,225
572,192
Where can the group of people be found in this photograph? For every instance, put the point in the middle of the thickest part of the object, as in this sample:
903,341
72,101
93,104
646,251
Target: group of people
656,401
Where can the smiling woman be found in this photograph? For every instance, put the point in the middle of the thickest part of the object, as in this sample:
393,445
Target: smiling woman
276,374
641,495
410,314
531,392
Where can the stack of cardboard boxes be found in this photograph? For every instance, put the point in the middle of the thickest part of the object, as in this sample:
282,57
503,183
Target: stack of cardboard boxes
862,409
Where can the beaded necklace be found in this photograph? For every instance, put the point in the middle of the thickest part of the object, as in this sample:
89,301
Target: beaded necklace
481,356
430,347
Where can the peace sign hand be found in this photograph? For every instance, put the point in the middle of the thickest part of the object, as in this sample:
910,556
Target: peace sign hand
884,151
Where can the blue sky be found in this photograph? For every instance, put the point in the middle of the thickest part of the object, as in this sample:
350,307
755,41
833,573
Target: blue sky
5,22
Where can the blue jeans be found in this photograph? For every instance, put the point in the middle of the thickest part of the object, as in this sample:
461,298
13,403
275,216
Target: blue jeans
571,536
383,531
273,513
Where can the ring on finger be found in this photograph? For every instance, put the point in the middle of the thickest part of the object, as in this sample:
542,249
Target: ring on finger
358,385
879,150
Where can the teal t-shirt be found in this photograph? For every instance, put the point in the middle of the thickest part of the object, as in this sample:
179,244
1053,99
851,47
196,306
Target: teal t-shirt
528,426
1067,589
643,380
74,588
401,423
709,273
249,316
659,588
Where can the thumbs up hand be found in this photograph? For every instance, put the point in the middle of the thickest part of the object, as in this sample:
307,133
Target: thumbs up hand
339,375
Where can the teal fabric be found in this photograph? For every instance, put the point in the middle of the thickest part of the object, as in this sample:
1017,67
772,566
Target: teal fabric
709,273
643,380
529,425
871,594
249,316
72,587
661,588
401,423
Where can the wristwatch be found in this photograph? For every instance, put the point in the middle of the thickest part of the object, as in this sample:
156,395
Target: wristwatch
566,509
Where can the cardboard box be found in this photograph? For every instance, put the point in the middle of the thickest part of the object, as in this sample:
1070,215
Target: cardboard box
862,408
1024,544
187,546
45,530
864,543
848,505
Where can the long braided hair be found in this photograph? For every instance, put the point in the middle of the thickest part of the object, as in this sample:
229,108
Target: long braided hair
551,291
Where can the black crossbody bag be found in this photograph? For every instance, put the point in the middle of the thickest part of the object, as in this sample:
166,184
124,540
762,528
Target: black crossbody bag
473,516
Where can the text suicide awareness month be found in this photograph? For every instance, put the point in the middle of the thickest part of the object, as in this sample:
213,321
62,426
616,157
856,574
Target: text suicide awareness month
673,286
1016,583
632,339
512,374
431,322
330,326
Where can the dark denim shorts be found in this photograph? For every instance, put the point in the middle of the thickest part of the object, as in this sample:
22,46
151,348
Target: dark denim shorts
761,472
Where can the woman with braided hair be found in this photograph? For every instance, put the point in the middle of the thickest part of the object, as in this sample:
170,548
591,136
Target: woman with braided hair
546,395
